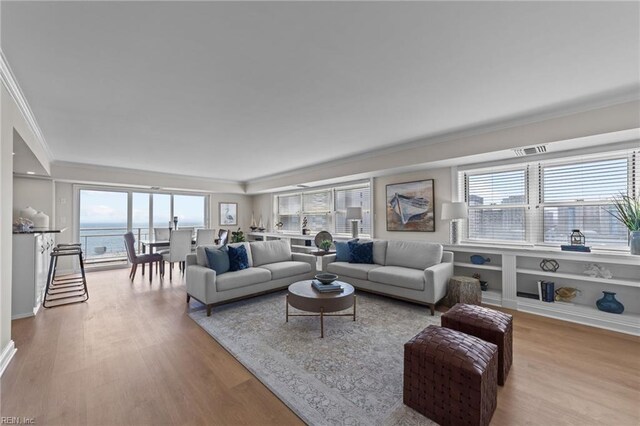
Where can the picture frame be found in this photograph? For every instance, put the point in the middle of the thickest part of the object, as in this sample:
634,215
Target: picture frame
410,206
228,213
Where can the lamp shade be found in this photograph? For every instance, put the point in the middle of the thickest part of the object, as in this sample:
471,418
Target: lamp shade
354,213
451,211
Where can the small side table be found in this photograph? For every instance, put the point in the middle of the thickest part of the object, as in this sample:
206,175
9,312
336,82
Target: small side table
463,290
318,254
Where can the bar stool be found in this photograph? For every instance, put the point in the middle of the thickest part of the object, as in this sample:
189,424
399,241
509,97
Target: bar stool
65,289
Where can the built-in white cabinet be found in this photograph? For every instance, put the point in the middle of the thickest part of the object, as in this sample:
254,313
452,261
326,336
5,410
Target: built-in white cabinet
31,255
513,273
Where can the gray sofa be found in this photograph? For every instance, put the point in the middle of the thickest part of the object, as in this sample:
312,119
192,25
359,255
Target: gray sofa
272,266
415,271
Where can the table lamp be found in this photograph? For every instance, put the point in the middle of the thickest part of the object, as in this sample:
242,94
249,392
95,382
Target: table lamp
454,211
354,214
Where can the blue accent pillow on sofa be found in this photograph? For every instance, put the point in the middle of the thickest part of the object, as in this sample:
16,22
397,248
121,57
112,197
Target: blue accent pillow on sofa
218,259
360,252
342,250
238,259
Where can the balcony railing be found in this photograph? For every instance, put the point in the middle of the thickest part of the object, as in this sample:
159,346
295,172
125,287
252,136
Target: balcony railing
101,245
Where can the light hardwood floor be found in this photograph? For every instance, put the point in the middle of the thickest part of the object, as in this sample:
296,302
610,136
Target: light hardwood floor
132,356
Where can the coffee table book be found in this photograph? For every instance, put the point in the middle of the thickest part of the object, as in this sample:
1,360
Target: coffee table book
326,288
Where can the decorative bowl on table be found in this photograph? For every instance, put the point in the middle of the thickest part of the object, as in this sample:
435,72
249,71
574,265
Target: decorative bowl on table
326,278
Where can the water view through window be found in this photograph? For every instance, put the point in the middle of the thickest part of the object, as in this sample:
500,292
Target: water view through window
104,219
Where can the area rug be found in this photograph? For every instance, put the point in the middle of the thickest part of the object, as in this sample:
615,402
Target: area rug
351,377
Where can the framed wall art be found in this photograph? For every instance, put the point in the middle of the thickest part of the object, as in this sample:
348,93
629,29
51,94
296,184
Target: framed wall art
228,214
410,206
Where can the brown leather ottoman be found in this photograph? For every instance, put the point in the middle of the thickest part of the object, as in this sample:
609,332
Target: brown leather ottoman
450,377
487,324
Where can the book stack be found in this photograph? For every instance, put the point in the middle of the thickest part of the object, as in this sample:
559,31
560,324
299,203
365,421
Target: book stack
546,291
580,248
326,288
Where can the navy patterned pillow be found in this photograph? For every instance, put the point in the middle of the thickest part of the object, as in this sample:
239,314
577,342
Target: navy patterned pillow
360,252
238,258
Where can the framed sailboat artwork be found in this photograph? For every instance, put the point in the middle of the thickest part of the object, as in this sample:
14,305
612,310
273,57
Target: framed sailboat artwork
410,206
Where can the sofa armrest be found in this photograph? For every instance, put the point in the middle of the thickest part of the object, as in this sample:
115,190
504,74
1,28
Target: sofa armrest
192,259
447,256
436,280
201,283
326,260
303,257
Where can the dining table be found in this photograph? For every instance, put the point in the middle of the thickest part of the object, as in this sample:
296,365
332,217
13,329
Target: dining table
154,244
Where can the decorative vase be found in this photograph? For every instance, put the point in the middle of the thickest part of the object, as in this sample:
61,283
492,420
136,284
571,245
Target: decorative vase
634,242
609,303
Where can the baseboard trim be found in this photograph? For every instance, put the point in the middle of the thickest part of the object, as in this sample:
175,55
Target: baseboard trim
7,355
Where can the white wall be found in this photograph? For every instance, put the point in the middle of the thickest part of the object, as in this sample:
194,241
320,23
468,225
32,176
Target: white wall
263,206
245,207
442,193
11,120
33,192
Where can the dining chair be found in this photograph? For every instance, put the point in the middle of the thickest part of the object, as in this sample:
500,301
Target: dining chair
179,248
135,259
161,234
205,237
187,228
223,236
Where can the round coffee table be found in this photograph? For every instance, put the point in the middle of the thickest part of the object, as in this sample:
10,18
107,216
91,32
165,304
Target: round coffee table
304,297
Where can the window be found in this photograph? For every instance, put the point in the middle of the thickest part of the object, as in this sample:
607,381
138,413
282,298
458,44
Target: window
105,215
497,205
578,196
288,212
542,202
358,196
324,209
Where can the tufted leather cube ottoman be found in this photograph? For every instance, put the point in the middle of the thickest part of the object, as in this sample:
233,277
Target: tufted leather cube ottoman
450,376
487,324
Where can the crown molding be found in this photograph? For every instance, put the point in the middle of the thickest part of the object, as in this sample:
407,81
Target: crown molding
8,79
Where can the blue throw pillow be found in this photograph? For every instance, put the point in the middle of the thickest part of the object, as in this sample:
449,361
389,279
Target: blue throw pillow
360,252
218,259
342,250
238,259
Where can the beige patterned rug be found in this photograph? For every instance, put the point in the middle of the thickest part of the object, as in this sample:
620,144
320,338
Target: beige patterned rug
351,377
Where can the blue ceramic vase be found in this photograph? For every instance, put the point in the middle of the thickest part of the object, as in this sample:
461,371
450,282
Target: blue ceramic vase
609,303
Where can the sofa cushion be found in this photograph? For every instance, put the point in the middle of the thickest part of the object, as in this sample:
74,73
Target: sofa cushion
238,258
243,278
353,270
246,247
379,250
398,276
360,252
286,269
218,259
265,252
413,254
342,250
201,255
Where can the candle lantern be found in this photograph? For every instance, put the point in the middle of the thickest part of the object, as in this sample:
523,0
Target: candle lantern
577,238
175,222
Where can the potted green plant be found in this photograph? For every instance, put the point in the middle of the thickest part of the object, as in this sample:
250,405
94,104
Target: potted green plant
237,236
325,245
627,211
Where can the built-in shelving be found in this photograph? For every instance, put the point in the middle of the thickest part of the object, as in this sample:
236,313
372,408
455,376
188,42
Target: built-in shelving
474,266
492,297
515,269
626,322
587,278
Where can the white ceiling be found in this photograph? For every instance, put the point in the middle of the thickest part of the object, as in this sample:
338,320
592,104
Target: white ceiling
244,90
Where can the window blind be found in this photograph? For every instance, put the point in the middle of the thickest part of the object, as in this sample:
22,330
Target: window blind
578,195
316,208
352,197
289,207
496,203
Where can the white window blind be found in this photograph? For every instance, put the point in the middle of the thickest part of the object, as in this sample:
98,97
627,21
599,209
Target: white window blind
289,207
577,195
353,197
497,205
325,209
317,209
